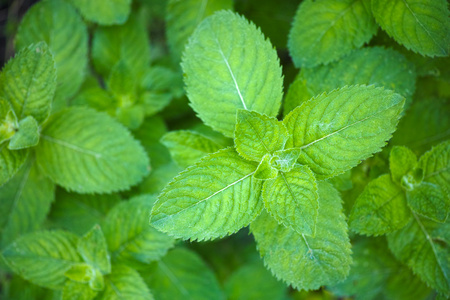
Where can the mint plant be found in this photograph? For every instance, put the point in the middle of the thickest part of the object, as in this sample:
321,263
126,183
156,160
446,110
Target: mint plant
225,150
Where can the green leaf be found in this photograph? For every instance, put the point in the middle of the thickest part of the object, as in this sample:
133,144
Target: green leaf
128,43
58,24
28,82
27,136
436,165
24,203
401,161
240,66
292,199
329,129
77,291
10,162
43,257
326,30
94,250
265,169
254,281
284,160
182,17
125,283
130,239
87,151
429,200
81,272
257,135
122,84
79,213
381,208
105,12
305,262
421,247
211,199
8,121
182,274
420,26
188,147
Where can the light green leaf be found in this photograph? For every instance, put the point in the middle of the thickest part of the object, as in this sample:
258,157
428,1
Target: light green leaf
421,246
182,274
182,17
24,203
159,178
401,161
304,262
429,200
87,151
326,30
342,182
297,93
130,239
240,66
94,250
125,283
43,257
27,136
257,135
292,199
122,84
211,199
187,147
284,160
77,291
28,82
329,129
421,26
436,165
128,43
381,208
58,24
10,162
81,272
265,169
8,121
105,12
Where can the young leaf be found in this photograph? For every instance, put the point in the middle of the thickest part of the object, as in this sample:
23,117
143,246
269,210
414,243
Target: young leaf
187,147
182,274
429,200
77,291
240,67
122,84
421,246
87,151
292,199
305,262
326,30
24,203
130,239
125,283
401,161
265,169
105,12
182,17
81,272
10,162
27,136
28,82
43,257
436,166
8,121
329,128
215,197
94,251
420,26
381,208
58,24
284,160
257,135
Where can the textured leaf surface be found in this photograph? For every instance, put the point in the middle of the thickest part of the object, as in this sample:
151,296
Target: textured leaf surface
422,247
8,121
215,197
325,30
182,274
292,199
43,257
420,25
27,136
125,283
187,147
86,151
129,237
265,169
10,162
331,127
77,291
182,17
381,208
28,82
429,200
257,135
436,165
304,262
240,67
401,161
58,24
24,203
105,12
94,250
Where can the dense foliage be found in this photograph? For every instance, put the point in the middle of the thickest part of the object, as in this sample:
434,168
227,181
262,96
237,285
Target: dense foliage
195,149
